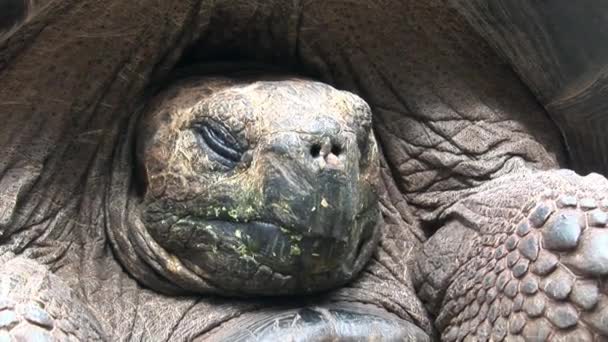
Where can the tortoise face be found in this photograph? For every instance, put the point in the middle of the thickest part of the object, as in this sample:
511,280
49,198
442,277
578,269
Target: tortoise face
260,187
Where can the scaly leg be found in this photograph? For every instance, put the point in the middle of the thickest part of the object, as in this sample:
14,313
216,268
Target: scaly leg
36,305
523,259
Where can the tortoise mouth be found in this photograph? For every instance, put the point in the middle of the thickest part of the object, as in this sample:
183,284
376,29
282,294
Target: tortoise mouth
264,258
283,246
269,243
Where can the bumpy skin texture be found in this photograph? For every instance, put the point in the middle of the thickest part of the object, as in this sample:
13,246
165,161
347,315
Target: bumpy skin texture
456,129
525,258
34,304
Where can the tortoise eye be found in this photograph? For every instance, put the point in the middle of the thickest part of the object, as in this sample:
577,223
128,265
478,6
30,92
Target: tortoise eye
222,145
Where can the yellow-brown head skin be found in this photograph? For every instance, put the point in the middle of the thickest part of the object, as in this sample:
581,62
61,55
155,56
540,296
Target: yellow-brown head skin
258,185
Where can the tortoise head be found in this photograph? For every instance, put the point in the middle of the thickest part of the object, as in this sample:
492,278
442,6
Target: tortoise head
256,186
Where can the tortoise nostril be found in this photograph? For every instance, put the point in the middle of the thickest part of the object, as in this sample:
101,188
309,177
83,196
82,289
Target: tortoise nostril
315,150
336,149
325,149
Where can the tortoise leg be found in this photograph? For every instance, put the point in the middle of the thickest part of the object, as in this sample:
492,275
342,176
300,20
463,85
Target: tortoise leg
524,258
36,305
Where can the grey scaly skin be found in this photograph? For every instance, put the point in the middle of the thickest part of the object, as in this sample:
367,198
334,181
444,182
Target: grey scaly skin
482,236
523,259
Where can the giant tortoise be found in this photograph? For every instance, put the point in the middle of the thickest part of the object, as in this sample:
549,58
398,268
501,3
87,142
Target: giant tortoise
241,170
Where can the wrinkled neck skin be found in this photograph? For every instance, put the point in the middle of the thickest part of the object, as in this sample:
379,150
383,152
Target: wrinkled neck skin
136,249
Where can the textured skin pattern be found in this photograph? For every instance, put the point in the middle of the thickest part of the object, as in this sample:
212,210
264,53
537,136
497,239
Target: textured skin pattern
38,306
449,114
332,322
15,13
540,276
564,68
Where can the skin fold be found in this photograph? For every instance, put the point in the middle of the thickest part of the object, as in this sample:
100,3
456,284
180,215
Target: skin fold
481,236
